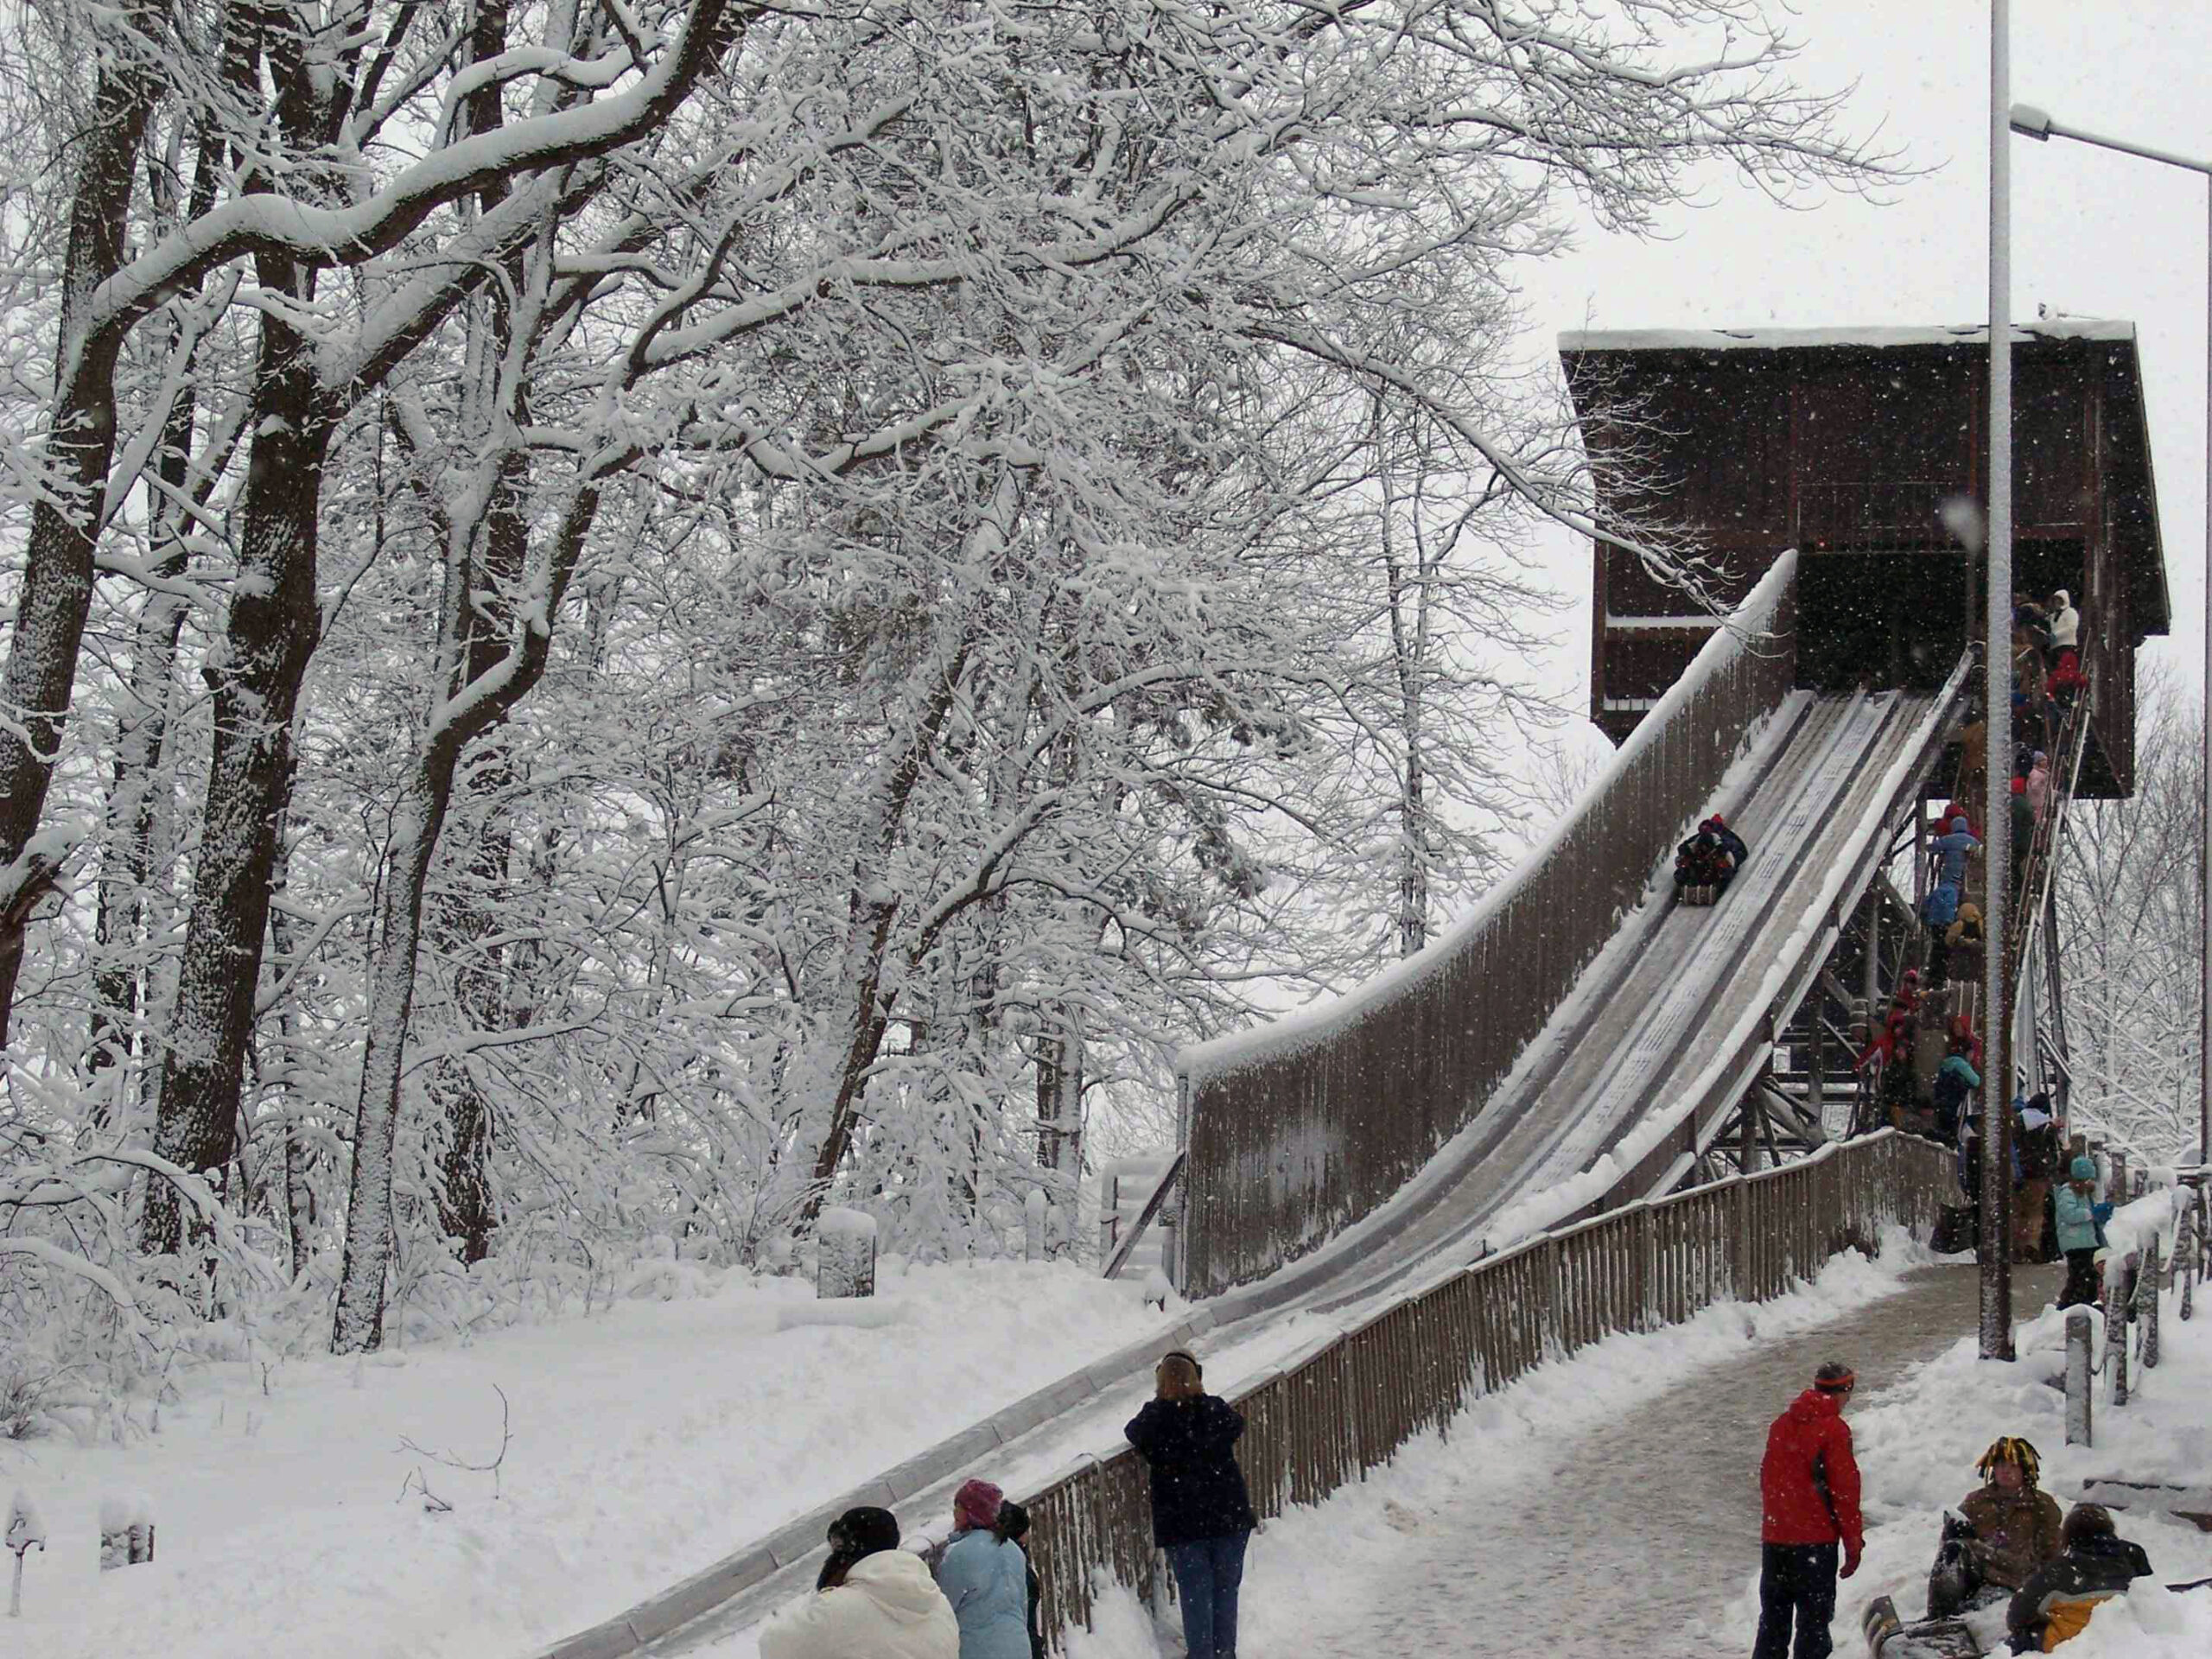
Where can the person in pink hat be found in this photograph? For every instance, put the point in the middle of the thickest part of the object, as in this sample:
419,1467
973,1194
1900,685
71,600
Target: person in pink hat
985,1575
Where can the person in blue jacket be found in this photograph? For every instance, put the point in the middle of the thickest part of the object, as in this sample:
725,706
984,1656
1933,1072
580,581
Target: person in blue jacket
1951,849
985,1576
1201,1513
2080,1223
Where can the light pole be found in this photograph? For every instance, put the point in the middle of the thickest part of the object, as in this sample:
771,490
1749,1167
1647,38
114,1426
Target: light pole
1994,1242
2031,123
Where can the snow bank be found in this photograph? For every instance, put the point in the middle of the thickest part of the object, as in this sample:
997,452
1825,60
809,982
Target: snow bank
648,1441
1315,1562
1749,624
1918,1441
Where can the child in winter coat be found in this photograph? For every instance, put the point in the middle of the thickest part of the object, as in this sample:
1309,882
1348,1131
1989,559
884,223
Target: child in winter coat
1962,941
985,1576
1013,1526
1951,849
2065,624
2038,785
2076,1209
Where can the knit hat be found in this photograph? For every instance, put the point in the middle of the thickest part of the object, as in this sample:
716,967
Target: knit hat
1834,1377
976,1505
2083,1169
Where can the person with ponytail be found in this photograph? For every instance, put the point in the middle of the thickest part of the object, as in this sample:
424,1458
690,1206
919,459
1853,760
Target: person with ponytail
985,1575
1013,1528
1201,1513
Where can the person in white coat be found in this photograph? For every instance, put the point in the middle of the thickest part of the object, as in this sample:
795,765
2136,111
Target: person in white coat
2065,626
985,1576
874,1600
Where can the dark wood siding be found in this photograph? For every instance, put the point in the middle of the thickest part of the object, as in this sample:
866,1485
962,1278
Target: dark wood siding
1851,449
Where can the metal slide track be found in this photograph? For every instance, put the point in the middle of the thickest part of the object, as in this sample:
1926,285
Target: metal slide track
1667,1024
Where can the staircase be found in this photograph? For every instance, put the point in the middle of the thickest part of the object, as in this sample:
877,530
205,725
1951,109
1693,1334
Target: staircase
1126,1187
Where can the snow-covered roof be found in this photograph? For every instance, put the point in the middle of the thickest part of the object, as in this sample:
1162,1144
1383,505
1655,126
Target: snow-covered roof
1782,340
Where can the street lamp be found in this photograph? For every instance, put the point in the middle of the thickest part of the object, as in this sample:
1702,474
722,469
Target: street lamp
2031,123
1994,1196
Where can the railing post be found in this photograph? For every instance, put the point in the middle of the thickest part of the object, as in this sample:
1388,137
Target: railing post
2115,1305
2078,1389
2147,1302
1555,1328
1740,1276
1647,1251
2187,1251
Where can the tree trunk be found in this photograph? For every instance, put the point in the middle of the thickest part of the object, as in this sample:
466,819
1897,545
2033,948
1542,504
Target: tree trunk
420,814
864,1010
255,675
57,584
416,823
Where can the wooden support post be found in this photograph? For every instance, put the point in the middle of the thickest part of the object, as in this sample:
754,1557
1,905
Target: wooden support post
2078,1382
2115,1305
2147,1302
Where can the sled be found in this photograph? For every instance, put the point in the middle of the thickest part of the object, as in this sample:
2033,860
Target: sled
1889,1636
1703,893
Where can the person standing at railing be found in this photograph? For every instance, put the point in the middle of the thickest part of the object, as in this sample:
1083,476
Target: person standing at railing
1809,1494
2076,1207
2023,830
1013,1525
985,1575
1201,1513
2039,784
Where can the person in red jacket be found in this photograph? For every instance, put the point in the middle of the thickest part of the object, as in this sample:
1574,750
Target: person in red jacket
1808,1489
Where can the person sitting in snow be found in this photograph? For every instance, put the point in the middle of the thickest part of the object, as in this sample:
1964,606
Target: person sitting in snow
873,1600
2016,1531
2097,1563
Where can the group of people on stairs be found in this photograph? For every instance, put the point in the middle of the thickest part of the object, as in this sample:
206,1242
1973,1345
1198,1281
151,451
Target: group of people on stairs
876,1600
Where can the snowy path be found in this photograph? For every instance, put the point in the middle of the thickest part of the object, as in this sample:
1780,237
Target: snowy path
1642,1529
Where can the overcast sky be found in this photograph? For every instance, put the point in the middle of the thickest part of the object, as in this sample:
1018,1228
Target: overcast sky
2093,233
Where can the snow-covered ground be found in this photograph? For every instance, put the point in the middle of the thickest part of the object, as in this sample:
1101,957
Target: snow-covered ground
647,1442
1915,1439
1607,1505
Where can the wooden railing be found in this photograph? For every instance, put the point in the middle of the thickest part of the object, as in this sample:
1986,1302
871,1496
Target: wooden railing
1298,1130
1324,1420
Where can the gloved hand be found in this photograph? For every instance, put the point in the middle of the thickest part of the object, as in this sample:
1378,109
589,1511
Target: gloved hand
2102,1212
1850,1560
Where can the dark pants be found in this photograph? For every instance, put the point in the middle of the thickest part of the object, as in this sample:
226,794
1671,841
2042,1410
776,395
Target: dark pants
1207,1574
2082,1287
1795,1581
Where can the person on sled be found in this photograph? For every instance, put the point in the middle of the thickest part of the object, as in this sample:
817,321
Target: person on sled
1709,860
2007,1530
